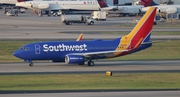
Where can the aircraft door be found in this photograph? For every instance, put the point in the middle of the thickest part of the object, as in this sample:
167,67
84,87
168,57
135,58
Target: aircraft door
37,49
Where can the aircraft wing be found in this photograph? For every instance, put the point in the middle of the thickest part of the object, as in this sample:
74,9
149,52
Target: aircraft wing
99,54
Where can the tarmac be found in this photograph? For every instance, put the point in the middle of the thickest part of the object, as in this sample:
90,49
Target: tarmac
29,26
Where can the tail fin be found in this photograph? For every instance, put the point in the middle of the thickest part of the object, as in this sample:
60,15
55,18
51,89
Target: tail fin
142,30
116,2
102,3
80,37
153,3
23,0
20,0
105,7
147,3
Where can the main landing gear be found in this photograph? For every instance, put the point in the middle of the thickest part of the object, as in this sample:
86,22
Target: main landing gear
90,63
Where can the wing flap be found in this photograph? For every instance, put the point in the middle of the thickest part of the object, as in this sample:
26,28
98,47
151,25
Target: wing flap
99,54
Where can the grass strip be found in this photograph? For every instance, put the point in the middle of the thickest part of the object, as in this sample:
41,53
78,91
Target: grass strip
169,49
90,81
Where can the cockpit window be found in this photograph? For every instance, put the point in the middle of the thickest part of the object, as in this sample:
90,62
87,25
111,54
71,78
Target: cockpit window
24,48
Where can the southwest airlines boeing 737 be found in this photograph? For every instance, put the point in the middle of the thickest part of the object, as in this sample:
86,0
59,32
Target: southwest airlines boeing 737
78,52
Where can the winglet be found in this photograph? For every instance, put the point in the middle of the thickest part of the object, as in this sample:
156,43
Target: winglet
102,4
80,37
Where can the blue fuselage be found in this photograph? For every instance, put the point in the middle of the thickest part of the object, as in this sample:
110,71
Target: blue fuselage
57,51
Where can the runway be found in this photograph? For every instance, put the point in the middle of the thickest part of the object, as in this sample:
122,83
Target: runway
101,94
100,67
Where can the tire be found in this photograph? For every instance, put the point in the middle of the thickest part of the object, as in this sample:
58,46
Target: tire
91,23
31,64
90,63
69,23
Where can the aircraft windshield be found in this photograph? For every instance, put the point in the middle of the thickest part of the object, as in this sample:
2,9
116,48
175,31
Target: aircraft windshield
24,48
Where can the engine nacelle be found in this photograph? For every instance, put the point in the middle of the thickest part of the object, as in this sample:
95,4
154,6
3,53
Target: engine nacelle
167,10
171,10
40,6
74,59
161,10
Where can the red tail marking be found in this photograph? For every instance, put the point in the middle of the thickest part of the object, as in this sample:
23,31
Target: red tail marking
145,29
20,0
102,3
146,3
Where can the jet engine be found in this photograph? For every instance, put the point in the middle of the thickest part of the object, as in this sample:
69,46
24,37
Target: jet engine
167,10
40,6
74,59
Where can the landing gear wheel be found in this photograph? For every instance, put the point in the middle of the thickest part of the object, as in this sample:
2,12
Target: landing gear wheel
90,63
31,64
91,23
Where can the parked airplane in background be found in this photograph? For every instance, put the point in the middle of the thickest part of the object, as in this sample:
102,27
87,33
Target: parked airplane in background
66,5
127,10
123,10
161,9
78,52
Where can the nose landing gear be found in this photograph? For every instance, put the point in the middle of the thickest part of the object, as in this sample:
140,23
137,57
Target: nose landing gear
31,64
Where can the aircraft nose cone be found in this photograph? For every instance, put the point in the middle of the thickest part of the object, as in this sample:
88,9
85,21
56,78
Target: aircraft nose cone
17,54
